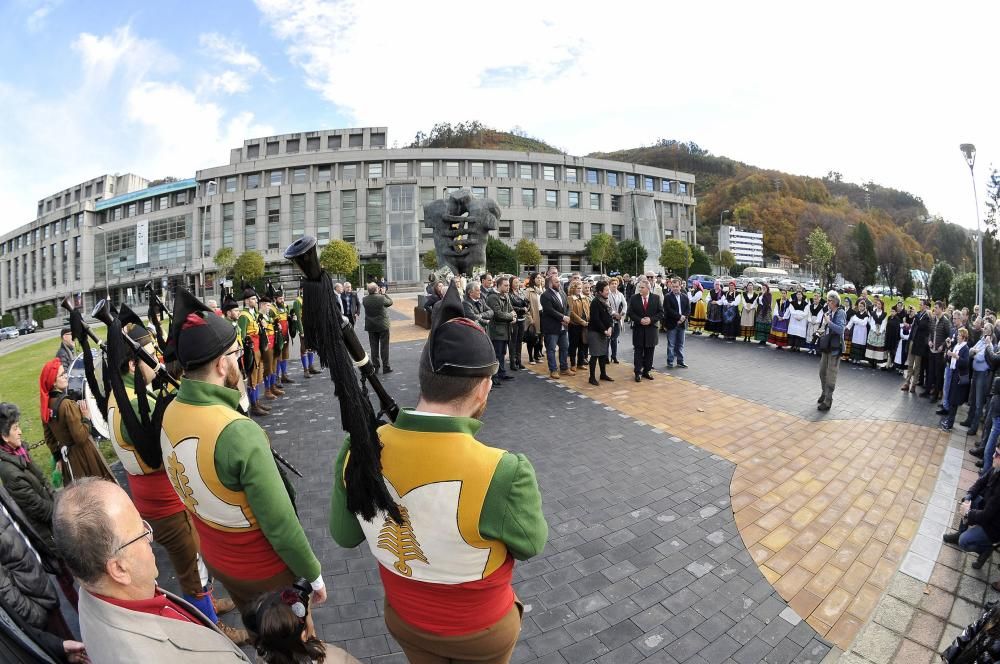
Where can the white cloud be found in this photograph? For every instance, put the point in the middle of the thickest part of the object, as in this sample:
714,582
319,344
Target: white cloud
229,51
39,12
228,82
127,114
883,92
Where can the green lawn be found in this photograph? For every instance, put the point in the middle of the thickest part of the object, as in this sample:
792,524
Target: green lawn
19,385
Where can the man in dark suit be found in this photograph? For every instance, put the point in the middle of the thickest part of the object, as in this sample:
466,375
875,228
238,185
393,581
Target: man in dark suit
676,309
350,305
645,310
376,305
915,360
555,326
937,344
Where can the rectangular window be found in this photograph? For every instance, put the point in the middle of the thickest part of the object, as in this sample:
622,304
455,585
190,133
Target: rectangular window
529,229
86,191
227,224
349,171
312,144
375,170
451,169
374,214
575,230
274,222
45,232
525,171
616,203
231,184
503,196
595,201
647,183
574,199
250,225
355,140
575,264
503,170
400,199
612,179
427,169
348,213
272,148
665,186
618,232
630,181
549,173
552,230
292,146
551,198
253,180
503,228
682,188
323,173
65,261
164,203
253,151
477,169
334,142
400,169
528,198
300,175
181,198
426,195
58,202
210,188
298,210
276,178
323,217
596,229
131,209
591,176
147,206
570,175
479,192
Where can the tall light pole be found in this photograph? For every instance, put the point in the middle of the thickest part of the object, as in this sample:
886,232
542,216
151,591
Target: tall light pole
721,215
107,285
969,150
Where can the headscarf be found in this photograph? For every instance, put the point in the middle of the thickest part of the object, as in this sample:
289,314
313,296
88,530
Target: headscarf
45,384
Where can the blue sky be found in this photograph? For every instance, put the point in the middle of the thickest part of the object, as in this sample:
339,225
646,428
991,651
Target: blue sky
878,91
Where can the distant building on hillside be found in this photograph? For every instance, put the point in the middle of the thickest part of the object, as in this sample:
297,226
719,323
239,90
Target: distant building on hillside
747,246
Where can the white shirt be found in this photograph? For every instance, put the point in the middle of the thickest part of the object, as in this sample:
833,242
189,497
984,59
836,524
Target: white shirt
954,360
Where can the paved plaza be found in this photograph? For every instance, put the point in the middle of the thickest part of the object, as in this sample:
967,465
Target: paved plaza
712,515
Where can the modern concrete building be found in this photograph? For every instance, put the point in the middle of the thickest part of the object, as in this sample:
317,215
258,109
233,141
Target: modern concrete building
334,184
746,246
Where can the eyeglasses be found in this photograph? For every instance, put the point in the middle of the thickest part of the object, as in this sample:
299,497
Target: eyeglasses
238,352
147,534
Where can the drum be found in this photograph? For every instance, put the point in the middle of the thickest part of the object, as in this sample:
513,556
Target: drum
80,391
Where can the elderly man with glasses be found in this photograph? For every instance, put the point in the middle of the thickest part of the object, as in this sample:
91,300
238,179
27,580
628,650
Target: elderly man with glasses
124,615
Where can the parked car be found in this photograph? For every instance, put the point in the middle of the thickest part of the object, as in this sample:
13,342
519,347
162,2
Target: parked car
849,287
27,326
9,333
707,281
811,286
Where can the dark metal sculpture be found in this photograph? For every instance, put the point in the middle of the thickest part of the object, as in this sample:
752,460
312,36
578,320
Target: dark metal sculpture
461,225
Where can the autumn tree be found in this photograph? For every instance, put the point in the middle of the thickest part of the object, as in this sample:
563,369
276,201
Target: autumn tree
527,252
249,266
821,253
430,260
892,260
631,256
224,260
339,257
602,249
675,255
726,259
963,291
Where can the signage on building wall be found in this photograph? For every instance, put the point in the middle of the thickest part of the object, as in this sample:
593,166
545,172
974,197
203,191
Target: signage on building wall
142,242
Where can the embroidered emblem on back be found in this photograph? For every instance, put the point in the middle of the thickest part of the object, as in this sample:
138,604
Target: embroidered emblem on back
176,473
399,540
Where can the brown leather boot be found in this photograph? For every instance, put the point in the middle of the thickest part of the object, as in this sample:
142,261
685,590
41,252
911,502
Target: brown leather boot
222,605
286,379
264,406
277,391
258,411
269,396
314,370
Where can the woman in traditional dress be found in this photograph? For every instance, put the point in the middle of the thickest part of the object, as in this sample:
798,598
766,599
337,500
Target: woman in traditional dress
730,312
748,312
699,309
714,324
762,325
875,351
65,425
798,320
816,310
849,312
902,347
858,327
892,328
779,322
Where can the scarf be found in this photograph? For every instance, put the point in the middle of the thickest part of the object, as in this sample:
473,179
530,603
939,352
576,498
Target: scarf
45,384
16,451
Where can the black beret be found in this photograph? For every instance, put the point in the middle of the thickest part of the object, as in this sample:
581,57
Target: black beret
249,292
203,337
229,304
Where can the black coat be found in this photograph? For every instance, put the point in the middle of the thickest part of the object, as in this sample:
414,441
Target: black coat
645,335
600,317
919,334
958,393
671,314
30,490
554,307
988,488
25,585
892,335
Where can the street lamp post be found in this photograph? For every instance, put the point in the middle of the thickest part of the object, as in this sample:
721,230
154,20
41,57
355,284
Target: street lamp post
969,150
721,215
107,284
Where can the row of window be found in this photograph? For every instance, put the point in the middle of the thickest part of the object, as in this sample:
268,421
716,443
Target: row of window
86,191
553,230
42,233
315,143
474,169
26,269
147,206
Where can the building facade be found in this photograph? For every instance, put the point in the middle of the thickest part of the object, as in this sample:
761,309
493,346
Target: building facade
746,246
335,184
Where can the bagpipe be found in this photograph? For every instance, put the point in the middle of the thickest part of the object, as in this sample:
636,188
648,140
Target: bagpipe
333,339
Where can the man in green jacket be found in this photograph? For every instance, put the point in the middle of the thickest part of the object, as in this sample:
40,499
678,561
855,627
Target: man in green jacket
376,305
498,300
468,511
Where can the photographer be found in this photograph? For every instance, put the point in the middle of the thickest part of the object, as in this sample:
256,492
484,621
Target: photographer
980,510
376,305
